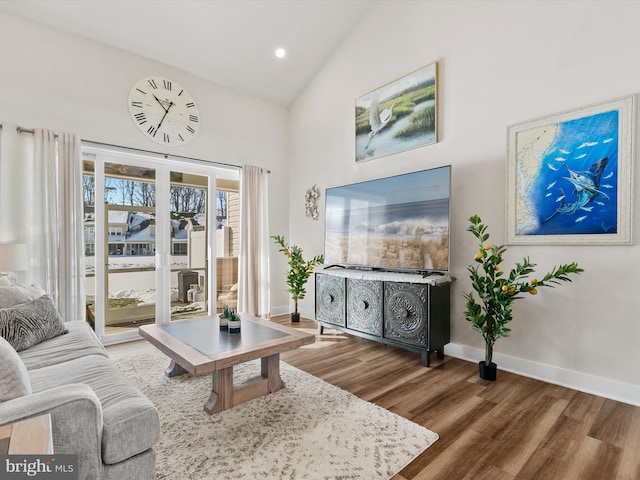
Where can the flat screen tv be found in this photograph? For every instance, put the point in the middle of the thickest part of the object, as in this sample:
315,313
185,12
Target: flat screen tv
398,223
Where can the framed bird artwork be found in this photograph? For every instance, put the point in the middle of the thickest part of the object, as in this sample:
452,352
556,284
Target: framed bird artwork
399,116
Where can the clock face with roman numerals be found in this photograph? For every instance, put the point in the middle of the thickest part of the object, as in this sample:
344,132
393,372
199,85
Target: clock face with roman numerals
164,111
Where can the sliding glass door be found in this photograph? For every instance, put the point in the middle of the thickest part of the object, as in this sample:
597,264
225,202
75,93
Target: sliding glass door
153,234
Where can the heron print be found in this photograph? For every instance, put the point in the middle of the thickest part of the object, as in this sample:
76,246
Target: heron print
398,116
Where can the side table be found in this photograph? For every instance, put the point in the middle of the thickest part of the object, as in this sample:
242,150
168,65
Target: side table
27,437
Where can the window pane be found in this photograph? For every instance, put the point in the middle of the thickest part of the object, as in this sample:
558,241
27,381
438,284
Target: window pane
89,196
227,243
130,198
189,270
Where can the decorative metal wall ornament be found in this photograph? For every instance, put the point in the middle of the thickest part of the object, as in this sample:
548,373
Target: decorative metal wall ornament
311,202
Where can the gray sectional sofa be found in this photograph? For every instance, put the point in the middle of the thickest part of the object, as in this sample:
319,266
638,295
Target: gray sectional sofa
96,413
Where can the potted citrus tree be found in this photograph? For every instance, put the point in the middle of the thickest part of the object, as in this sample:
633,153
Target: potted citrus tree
299,272
495,290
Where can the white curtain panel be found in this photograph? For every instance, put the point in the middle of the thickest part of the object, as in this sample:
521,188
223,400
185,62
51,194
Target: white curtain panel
41,206
71,279
253,288
44,241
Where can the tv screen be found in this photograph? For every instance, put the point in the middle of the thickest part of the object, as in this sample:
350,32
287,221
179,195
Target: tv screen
398,223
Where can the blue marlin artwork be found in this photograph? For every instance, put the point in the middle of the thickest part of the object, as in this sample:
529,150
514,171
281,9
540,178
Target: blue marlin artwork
567,177
586,189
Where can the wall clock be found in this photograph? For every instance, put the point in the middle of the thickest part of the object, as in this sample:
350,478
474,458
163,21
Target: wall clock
164,111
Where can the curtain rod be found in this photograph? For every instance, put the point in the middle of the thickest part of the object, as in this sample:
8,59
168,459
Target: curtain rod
165,155
27,130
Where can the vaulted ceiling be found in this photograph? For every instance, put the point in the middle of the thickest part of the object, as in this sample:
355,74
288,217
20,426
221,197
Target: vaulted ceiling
228,42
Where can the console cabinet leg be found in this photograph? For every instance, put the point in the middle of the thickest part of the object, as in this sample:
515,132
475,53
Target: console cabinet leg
425,359
320,329
440,353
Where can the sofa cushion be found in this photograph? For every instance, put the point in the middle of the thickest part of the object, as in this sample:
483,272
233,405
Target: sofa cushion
131,422
11,295
30,323
14,380
79,342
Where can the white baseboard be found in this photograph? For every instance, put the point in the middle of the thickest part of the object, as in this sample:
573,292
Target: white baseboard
284,309
583,382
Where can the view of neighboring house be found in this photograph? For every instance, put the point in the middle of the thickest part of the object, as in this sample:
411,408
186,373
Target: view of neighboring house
132,233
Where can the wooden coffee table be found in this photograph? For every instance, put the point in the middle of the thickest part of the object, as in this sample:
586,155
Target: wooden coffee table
199,347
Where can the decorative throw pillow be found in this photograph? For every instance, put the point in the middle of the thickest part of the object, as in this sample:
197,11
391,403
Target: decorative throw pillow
30,323
14,379
11,295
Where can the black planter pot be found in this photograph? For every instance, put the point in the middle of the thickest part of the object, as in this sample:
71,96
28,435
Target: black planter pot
487,372
295,317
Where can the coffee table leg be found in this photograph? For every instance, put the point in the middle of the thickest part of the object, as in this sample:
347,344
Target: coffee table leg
270,370
224,395
221,396
173,370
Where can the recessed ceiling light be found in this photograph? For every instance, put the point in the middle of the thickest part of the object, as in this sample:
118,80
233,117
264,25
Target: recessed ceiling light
280,52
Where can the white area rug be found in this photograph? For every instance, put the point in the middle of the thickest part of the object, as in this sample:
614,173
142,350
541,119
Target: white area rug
308,430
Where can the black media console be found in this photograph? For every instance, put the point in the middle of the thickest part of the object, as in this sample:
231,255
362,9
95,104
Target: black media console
409,311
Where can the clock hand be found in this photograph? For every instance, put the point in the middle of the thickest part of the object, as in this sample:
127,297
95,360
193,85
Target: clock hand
163,117
157,100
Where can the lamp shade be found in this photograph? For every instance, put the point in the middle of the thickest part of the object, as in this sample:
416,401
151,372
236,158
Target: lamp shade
13,257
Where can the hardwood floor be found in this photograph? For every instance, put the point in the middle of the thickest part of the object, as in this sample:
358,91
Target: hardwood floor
514,428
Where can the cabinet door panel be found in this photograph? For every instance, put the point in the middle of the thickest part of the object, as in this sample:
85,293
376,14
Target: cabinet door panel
330,299
406,313
364,306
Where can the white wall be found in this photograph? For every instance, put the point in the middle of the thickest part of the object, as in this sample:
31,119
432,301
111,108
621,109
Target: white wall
49,79
500,63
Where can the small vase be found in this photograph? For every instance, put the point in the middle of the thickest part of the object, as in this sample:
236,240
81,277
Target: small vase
295,317
234,326
224,323
487,372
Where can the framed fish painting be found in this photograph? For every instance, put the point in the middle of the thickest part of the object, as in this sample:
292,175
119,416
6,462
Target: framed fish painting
569,176
398,116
